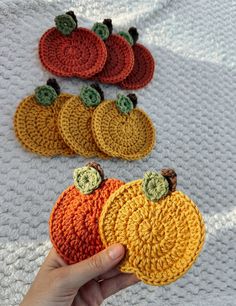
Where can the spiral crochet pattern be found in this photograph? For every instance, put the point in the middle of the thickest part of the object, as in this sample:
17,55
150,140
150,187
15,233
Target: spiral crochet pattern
81,54
162,239
36,126
120,60
74,122
142,71
74,221
130,136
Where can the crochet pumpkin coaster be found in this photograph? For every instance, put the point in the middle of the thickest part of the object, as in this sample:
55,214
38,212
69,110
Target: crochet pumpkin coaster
120,56
162,229
121,130
66,50
35,121
75,121
74,218
144,64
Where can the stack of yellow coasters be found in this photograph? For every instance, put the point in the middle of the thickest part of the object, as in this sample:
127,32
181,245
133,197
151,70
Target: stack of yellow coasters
161,228
51,123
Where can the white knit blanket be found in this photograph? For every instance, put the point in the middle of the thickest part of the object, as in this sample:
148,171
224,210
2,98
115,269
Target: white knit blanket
192,103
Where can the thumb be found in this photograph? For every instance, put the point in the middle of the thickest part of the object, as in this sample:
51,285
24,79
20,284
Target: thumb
79,274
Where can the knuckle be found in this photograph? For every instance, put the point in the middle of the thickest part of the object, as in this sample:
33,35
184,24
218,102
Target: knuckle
96,263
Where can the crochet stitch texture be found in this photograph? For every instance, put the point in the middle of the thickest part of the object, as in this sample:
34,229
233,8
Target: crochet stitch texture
74,122
80,54
162,239
74,221
142,71
36,126
129,136
120,60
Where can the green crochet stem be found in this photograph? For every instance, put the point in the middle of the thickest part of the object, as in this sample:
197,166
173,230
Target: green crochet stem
124,104
90,96
87,179
101,30
155,186
127,36
65,24
45,95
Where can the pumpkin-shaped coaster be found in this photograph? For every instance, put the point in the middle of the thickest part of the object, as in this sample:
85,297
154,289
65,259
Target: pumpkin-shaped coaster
120,56
144,64
121,130
74,121
74,218
66,50
35,121
161,228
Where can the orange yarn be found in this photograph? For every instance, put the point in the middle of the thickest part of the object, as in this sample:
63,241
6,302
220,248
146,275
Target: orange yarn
162,239
74,221
36,126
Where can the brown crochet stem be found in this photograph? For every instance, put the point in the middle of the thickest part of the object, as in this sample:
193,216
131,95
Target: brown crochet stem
171,177
72,14
97,167
53,83
98,89
108,23
133,98
134,33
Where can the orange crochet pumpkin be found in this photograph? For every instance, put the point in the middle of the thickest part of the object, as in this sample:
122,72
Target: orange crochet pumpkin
74,219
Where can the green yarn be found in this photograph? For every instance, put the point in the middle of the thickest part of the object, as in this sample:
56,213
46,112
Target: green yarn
127,36
101,30
155,186
87,179
65,24
45,95
90,96
124,104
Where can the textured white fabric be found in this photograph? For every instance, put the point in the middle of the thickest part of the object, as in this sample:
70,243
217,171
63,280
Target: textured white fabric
192,103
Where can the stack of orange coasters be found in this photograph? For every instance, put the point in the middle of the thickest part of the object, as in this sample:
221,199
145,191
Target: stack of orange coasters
51,123
161,228
72,51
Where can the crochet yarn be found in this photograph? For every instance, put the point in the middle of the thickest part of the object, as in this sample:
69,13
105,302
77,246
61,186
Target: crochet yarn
75,127
130,136
142,71
162,239
120,60
74,221
87,179
80,54
36,126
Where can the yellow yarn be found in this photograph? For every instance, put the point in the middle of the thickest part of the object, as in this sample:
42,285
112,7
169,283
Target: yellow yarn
129,136
162,239
75,126
36,126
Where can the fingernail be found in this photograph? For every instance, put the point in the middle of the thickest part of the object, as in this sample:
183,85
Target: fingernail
115,251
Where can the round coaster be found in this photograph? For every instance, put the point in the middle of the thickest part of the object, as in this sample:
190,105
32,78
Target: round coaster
80,54
120,60
129,136
142,71
162,239
75,127
74,221
36,126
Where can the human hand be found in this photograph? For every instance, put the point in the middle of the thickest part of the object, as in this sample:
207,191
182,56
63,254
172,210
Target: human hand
86,283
